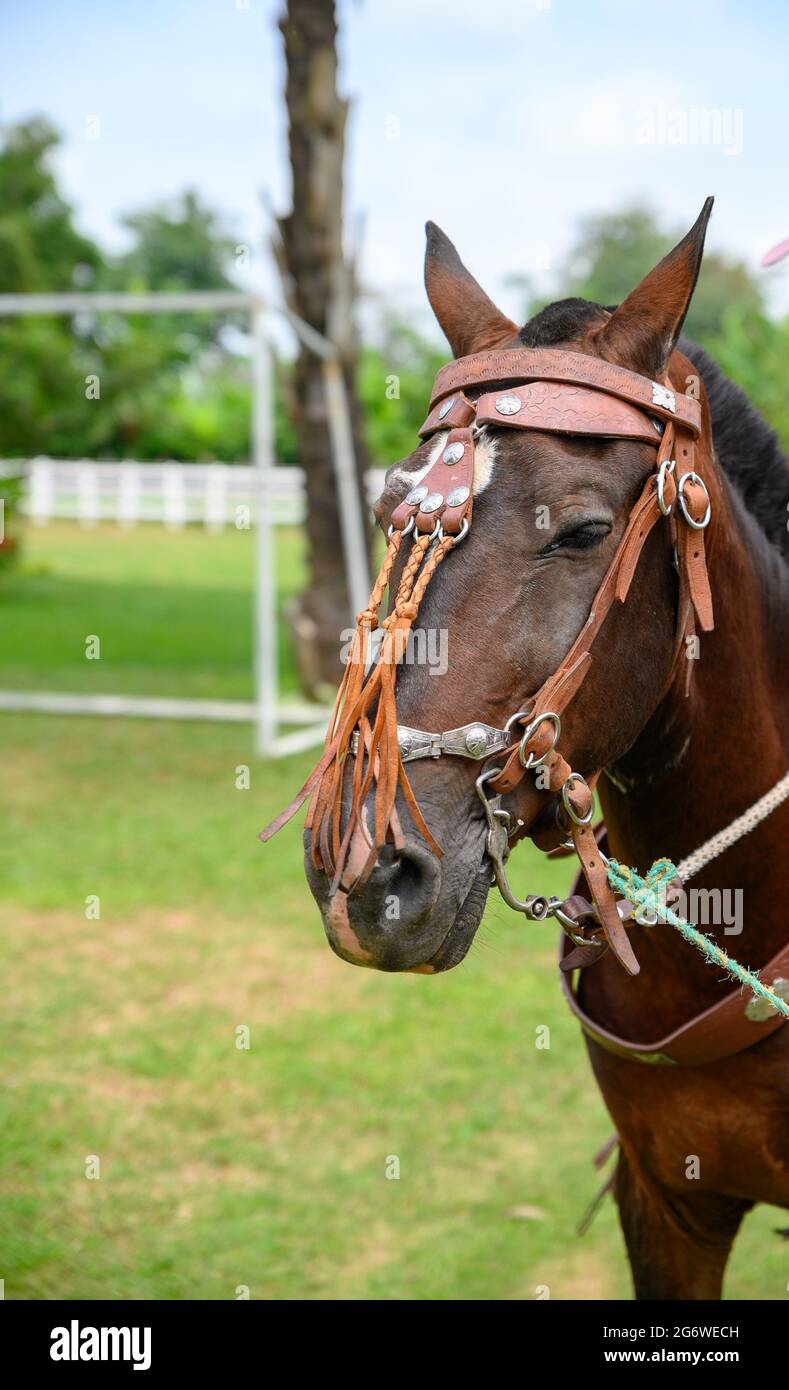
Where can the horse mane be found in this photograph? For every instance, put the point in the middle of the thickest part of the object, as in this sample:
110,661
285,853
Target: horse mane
748,450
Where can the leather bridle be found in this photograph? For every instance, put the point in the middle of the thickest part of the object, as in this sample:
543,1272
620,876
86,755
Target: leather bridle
552,391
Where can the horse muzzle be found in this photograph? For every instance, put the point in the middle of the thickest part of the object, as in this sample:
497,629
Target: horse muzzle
400,919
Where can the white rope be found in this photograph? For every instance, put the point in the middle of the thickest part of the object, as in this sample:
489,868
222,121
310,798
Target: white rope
734,832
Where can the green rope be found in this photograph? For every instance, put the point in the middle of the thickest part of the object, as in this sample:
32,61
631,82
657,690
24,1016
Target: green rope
646,896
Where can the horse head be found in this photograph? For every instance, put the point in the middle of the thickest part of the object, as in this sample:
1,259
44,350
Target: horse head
568,541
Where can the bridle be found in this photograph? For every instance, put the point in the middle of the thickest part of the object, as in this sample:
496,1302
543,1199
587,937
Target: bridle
553,391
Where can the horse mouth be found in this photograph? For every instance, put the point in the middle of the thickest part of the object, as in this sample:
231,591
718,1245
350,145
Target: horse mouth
463,929
353,945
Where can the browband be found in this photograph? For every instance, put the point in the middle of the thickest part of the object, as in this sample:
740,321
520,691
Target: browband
553,364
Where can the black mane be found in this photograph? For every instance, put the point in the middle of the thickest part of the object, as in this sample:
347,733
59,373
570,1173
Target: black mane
747,448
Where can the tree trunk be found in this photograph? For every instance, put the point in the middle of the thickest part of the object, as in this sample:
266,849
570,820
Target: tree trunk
318,284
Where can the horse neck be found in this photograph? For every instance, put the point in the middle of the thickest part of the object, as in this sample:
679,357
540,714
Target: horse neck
702,761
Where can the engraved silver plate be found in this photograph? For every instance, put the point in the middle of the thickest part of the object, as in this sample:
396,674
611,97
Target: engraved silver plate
663,396
508,405
433,502
446,407
476,741
458,496
453,453
758,1010
469,741
473,740
416,495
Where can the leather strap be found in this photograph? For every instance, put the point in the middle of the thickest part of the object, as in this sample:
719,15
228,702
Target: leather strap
555,694
720,1031
560,408
451,477
553,364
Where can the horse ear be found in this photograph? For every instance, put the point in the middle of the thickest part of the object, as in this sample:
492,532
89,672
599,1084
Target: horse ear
470,321
643,331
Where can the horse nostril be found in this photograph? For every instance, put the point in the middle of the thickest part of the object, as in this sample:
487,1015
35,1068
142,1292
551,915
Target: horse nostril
407,880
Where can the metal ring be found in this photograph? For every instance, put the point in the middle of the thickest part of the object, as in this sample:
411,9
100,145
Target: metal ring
404,529
513,719
667,466
484,777
693,478
527,760
574,817
462,533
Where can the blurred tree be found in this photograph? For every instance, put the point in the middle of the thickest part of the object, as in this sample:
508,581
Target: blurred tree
170,386
754,350
613,251
318,283
43,361
40,249
394,376
179,246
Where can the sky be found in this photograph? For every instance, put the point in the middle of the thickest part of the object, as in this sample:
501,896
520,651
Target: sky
505,121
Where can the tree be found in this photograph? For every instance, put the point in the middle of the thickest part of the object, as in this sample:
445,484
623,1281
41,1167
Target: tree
43,362
171,386
318,284
40,249
614,250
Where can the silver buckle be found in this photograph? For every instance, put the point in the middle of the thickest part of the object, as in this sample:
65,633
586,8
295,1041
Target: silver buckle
666,467
527,760
693,478
567,804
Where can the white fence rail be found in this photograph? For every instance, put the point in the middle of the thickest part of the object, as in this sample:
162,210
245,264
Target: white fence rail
213,495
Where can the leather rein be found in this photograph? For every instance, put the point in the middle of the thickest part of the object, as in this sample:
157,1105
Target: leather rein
554,391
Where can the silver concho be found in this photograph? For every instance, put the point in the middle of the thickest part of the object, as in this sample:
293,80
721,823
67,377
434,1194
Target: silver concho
476,741
662,395
405,742
433,502
508,405
458,496
416,495
453,453
758,1010
446,407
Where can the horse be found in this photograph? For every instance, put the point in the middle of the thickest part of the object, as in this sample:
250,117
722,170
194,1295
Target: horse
679,731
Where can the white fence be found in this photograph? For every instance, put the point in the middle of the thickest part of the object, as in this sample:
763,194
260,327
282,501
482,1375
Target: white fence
213,495
268,710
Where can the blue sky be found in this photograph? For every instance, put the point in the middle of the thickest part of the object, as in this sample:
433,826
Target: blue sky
503,120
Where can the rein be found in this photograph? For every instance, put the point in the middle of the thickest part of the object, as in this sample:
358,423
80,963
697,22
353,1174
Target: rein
537,389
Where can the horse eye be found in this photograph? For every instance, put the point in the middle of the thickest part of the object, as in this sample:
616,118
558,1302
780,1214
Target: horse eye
583,537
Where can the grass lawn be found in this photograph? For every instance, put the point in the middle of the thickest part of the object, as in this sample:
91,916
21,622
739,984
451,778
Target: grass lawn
173,611
263,1166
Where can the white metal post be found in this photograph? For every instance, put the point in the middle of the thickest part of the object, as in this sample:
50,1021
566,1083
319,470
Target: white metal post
265,595
351,518
144,494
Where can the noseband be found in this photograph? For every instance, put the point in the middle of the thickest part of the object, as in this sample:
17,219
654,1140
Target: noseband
553,391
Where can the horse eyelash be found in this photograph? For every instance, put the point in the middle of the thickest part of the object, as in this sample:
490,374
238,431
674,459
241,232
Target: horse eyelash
581,537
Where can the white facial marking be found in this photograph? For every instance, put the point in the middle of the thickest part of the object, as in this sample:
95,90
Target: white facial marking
412,479
484,460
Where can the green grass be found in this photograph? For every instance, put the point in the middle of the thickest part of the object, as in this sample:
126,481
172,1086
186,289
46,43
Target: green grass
264,1167
173,611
